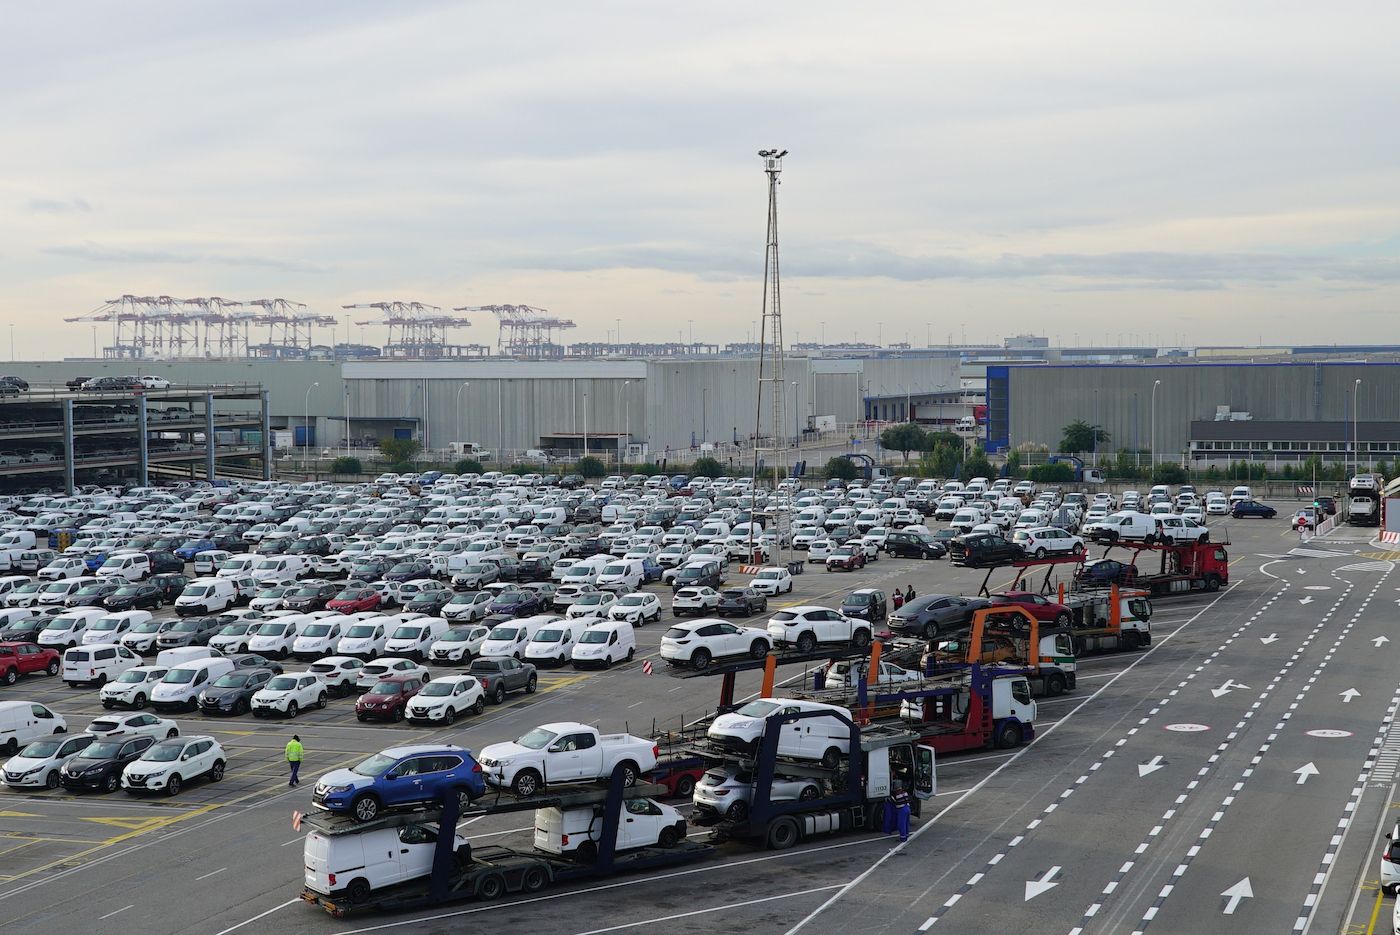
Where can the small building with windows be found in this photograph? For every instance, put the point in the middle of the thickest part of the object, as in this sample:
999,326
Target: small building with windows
1218,443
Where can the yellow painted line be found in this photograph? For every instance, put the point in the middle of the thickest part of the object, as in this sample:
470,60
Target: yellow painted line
16,847
1382,556
18,815
44,868
236,733
130,824
1375,914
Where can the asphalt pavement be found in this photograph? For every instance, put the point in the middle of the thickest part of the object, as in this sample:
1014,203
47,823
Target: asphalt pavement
1228,779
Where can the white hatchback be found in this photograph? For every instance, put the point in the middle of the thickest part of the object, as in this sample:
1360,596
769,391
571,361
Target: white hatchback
772,581
441,700
289,694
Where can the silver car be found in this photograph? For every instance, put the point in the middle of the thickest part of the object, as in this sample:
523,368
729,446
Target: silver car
728,791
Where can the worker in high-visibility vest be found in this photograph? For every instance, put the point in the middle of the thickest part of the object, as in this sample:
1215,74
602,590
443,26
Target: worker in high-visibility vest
294,755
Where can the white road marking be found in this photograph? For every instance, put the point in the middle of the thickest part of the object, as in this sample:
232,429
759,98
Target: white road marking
110,914
210,874
696,912
234,928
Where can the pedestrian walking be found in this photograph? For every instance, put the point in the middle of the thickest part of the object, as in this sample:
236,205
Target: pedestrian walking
294,755
897,599
899,799
908,594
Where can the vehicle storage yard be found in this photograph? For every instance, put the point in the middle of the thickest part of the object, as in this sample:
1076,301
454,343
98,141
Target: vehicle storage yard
1235,775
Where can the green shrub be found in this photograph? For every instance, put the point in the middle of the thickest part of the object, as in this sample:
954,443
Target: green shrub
591,467
468,466
347,466
841,468
706,467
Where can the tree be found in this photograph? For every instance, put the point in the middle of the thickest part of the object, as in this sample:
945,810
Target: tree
347,466
904,438
707,467
399,449
1057,473
1013,464
977,466
1169,472
468,466
841,469
590,467
943,457
1079,436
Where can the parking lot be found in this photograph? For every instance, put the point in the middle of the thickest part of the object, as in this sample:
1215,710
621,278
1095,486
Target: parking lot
226,855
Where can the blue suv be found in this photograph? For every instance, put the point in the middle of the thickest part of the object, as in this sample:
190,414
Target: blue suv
1252,508
190,549
412,775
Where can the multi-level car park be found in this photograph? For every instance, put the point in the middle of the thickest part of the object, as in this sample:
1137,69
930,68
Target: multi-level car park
538,575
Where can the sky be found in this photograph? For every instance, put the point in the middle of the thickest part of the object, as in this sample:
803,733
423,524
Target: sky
1184,173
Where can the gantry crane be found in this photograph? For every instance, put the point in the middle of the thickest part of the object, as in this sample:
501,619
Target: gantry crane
525,331
417,330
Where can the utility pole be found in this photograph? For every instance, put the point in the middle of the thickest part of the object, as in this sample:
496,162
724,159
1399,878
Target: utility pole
770,342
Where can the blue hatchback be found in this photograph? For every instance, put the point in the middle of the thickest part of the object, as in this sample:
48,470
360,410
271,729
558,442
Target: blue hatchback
1252,508
400,776
190,549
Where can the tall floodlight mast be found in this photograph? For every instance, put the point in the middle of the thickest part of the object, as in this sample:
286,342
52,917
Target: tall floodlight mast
771,388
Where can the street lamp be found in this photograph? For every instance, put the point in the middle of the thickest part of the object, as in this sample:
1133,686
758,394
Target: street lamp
626,421
500,425
585,425
306,415
459,409
1155,384
1355,425
796,432
704,413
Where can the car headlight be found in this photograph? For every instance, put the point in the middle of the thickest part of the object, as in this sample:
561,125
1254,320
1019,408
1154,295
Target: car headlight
332,790
30,772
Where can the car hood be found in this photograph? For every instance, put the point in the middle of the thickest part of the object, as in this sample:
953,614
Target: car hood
371,698
220,694
345,777
18,764
737,725
504,751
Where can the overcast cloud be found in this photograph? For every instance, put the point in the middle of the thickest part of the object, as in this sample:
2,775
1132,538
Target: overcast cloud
1200,172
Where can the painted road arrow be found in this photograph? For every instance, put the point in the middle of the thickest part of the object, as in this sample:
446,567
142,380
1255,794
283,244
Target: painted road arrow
1241,890
1271,638
1349,694
1306,600
1304,771
1035,887
1380,641
1151,766
1225,689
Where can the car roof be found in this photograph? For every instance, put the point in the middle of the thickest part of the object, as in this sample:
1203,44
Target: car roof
417,748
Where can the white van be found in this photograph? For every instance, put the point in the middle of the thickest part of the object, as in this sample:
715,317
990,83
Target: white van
1124,526
97,664
413,638
210,561
23,722
181,685
179,654
110,628
274,638
275,569
577,830
207,596
319,638
66,629
603,644
128,566
621,576
555,642
239,565
510,637
356,865
812,738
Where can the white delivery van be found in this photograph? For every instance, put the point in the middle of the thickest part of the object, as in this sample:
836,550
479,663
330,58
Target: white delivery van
97,664
274,638
356,865
621,576
23,722
413,638
110,628
811,738
207,596
275,569
128,566
178,654
239,565
1125,526
181,685
510,637
66,629
319,638
577,830
554,642
603,644
210,561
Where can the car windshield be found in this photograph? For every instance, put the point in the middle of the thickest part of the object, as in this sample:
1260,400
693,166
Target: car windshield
757,709
179,676
537,739
59,623
511,597
768,574
197,591
235,629
549,636
504,633
164,753
594,636
272,629
407,633
106,623
132,676
317,629
58,587
615,570
386,688
454,636
306,592
347,596
633,600
361,632
129,590
40,749
283,683
232,680
187,626
101,750
374,766
88,590
436,689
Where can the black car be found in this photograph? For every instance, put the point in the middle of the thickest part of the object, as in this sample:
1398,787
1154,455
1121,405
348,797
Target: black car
170,584
408,571
98,767
1327,505
743,601
92,595
518,604
189,631
76,383
310,545
164,561
1106,571
534,569
865,603
24,631
370,569
571,481
133,596
936,615
229,541
310,596
910,545
232,693
509,567
429,602
1246,508
696,575
984,550
17,382
278,546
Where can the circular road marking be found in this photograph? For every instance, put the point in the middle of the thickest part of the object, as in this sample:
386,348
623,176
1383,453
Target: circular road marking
1329,733
1317,587
1186,728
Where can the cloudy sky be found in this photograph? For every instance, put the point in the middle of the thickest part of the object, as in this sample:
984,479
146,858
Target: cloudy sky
1185,173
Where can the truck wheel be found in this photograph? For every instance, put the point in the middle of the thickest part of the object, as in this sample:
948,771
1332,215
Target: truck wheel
526,783
782,833
806,643
1131,641
630,773
365,807
1062,620
700,659
534,879
500,695
586,853
685,786
759,649
1212,582
831,757
1054,685
1009,736
668,838
358,891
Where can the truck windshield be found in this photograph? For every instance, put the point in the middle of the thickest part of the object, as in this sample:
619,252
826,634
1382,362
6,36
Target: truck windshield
757,709
537,739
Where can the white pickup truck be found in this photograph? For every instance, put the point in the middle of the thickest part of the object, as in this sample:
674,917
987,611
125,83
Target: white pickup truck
565,752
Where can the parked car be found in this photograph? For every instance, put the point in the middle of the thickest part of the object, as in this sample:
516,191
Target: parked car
565,752
133,687
981,550
1243,509
355,600
441,700
26,658
1106,571
907,544
168,765
697,601
132,596
98,766
697,643
124,726
744,602
378,782
934,615
1044,541
387,698
806,626
339,673
865,603
636,608
39,765
232,692
289,694
500,675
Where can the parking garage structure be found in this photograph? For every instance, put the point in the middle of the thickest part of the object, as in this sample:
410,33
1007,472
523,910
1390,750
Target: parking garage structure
51,437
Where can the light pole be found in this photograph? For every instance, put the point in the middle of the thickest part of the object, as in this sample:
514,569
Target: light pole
500,425
306,416
427,436
908,404
459,409
1356,425
704,413
1153,440
585,425
626,421
796,432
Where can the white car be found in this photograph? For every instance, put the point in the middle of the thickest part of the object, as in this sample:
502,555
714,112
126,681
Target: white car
636,608
699,601
1042,541
126,726
133,687
698,642
37,765
458,644
168,765
339,673
772,581
289,693
318,638
274,638
820,550
365,639
62,568
271,598
468,606
152,382
591,604
441,700
806,626
728,791
372,672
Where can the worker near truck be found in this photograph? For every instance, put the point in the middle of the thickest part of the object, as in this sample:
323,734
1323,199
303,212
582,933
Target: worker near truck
899,808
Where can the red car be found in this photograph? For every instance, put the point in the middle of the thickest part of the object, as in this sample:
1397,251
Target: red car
387,698
1040,607
845,558
18,659
355,600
